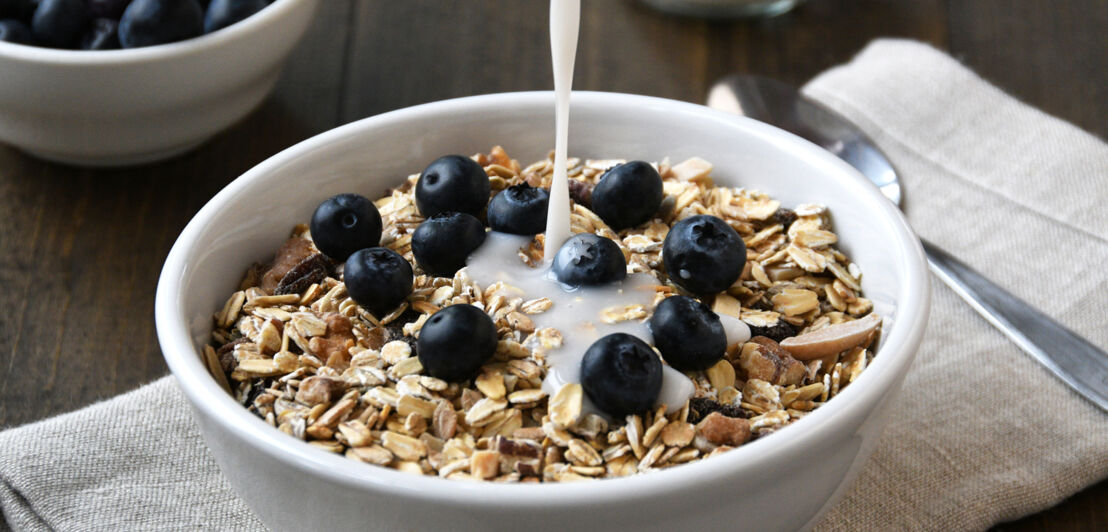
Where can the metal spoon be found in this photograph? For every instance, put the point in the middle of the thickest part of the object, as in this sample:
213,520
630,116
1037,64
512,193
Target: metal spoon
1080,364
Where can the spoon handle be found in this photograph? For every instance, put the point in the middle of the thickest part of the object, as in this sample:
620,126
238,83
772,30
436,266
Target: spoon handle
1080,364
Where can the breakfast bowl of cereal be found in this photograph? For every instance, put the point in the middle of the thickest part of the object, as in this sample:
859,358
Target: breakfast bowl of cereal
371,331
124,82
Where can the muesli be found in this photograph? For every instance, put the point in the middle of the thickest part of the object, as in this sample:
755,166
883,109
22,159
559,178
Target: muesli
297,350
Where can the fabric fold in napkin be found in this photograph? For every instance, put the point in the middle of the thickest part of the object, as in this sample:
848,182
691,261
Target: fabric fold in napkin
979,434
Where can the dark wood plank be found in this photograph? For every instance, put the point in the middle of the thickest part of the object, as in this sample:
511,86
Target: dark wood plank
820,34
417,51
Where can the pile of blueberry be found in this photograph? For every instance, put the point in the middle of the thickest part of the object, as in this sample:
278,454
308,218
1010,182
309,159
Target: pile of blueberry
114,24
620,373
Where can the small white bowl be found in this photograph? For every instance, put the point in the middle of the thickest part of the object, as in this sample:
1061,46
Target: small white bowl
781,482
123,107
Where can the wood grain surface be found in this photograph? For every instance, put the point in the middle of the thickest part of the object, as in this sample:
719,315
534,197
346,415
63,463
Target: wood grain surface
80,250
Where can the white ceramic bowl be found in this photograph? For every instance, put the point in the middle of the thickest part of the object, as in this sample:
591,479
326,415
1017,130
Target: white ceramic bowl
121,107
782,482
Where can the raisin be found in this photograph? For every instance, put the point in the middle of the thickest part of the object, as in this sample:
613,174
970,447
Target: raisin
785,217
580,192
700,407
776,332
395,328
226,354
307,272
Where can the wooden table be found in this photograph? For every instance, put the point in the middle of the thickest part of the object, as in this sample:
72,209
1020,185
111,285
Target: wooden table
80,250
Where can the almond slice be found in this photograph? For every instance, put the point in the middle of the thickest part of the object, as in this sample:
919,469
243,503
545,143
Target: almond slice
832,339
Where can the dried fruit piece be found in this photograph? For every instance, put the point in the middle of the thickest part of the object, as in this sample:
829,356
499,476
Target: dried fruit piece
290,254
702,407
832,339
307,272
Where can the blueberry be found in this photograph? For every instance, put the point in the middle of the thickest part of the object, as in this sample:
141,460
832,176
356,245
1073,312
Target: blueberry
101,35
627,195
455,342
443,242
621,374
344,224
223,13
17,9
589,259
519,210
689,335
378,279
703,255
106,8
59,23
452,183
12,30
151,22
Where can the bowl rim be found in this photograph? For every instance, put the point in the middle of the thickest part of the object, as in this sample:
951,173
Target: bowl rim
195,45
206,396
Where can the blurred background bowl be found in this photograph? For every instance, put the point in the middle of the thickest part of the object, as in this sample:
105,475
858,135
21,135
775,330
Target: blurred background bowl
138,105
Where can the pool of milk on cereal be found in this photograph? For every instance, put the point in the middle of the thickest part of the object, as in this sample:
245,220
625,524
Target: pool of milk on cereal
576,312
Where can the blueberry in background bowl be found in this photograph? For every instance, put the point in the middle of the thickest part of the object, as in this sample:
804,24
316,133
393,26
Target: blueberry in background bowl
16,32
151,22
223,13
59,23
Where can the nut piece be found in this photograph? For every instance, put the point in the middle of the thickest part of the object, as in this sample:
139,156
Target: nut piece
722,430
833,338
764,359
318,390
484,464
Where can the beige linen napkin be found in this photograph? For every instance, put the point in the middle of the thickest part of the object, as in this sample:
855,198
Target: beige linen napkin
980,434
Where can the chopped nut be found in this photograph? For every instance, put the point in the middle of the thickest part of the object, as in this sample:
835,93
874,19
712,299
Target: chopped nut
764,359
316,390
832,339
485,464
722,430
